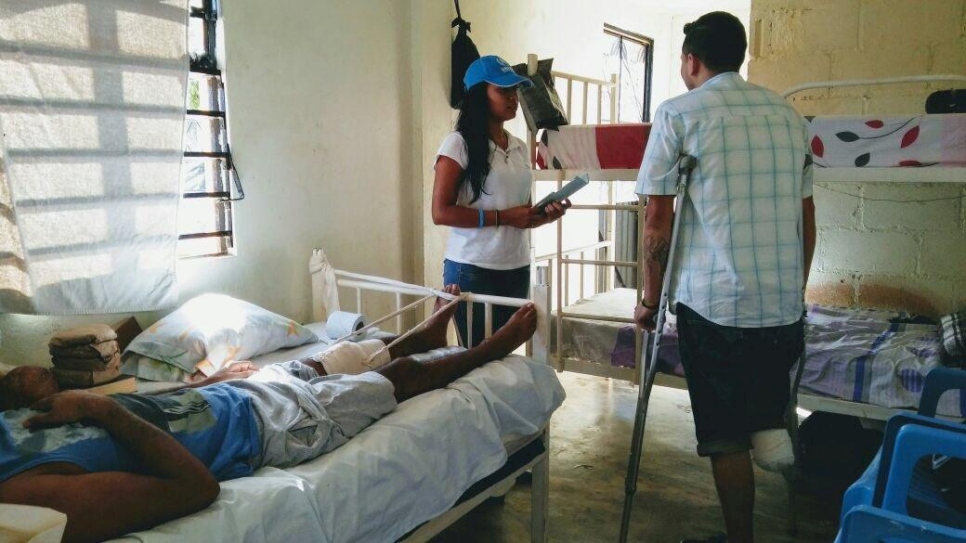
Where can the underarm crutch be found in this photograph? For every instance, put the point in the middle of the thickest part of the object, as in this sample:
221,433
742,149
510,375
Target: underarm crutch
686,165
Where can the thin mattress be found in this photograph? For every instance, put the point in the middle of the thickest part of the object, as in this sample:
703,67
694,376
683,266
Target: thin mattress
405,469
835,142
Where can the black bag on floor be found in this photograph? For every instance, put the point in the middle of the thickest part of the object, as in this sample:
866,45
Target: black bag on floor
464,53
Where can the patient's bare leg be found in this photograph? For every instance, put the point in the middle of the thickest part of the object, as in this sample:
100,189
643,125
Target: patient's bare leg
432,334
412,378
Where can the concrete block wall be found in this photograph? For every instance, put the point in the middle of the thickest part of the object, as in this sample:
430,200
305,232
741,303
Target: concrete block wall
896,246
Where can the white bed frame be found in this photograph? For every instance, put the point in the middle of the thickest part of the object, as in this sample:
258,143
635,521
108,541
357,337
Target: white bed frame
536,349
559,262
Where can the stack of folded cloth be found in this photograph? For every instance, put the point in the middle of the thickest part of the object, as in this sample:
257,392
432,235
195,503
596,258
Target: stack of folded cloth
85,356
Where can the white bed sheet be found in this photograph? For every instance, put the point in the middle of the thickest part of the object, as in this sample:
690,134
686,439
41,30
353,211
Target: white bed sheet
405,469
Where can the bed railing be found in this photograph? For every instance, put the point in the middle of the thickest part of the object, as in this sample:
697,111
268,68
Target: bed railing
586,84
878,81
360,283
602,259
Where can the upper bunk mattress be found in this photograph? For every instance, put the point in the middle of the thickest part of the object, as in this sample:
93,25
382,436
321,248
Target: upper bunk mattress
835,142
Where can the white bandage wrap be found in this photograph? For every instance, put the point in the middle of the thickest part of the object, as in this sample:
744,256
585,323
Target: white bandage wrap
773,450
353,358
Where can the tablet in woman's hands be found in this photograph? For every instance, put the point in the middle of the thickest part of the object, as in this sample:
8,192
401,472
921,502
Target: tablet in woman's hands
565,191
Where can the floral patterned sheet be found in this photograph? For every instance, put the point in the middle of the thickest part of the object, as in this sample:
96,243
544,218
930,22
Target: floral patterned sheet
887,142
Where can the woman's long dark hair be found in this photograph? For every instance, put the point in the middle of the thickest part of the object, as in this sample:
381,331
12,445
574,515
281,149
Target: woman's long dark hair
473,125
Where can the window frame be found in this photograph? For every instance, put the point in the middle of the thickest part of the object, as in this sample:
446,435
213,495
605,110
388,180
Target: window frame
222,194
647,44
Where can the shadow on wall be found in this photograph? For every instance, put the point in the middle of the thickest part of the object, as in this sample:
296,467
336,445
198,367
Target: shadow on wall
870,295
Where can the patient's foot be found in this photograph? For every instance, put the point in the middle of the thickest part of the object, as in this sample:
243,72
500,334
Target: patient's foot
514,333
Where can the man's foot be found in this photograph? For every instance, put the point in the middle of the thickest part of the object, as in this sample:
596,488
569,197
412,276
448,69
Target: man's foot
514,333
720,538
433,334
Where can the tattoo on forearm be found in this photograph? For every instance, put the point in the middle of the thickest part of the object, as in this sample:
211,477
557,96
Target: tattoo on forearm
656,249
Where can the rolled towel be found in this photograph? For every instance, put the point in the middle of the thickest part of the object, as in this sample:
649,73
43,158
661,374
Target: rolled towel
85,378
83,335
88,364
104,351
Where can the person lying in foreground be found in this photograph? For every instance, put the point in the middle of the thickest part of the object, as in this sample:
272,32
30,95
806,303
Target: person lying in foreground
87,455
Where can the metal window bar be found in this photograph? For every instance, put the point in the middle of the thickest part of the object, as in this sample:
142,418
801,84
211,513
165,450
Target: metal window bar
205,63
647,44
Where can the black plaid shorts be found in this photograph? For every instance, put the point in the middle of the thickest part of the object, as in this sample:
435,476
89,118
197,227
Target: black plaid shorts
738,378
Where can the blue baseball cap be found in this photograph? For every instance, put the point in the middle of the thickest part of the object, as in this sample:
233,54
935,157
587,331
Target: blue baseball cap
494,70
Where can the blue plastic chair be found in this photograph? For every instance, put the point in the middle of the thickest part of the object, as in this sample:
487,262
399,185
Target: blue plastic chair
867,524
896,477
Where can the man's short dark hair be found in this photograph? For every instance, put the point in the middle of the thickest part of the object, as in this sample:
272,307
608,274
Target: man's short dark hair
718,40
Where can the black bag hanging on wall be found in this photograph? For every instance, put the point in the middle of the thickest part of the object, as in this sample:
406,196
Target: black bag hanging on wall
464,53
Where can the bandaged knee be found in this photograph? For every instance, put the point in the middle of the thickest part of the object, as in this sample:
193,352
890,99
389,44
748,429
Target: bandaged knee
353,358
772,449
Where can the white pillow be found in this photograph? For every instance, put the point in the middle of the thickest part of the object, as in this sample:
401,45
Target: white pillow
212,329
143,367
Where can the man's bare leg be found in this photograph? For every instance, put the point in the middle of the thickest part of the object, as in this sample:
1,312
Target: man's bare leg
412,378
431,336
735,482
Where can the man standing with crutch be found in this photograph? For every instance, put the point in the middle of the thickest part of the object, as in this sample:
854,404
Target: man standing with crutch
747,234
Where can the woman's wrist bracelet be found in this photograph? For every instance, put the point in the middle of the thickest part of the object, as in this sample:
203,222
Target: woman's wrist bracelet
649,306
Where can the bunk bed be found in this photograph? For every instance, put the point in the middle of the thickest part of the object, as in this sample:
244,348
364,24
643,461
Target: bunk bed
410,474
594,334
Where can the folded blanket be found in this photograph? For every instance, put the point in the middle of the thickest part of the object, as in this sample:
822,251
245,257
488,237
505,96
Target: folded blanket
85,378
83,335
104,351
88,364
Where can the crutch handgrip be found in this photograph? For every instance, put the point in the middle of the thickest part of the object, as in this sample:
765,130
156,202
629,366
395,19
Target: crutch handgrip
686,164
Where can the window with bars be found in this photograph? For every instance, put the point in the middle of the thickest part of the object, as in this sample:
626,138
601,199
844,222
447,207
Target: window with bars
209,182
631,57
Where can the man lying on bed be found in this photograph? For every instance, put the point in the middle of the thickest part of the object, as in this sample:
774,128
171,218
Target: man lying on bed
135,461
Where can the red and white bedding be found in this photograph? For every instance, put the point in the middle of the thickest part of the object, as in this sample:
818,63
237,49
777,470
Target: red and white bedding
836,142
593,147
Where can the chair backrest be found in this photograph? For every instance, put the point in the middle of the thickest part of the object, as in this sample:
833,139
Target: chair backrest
938,381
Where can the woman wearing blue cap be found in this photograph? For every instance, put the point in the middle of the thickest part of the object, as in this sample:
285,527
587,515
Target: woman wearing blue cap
482,191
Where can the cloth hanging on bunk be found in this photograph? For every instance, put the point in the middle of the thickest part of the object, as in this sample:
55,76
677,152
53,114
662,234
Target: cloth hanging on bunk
464,52
542,107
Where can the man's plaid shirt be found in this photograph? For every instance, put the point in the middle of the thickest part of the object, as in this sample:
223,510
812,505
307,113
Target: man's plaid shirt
740,253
